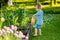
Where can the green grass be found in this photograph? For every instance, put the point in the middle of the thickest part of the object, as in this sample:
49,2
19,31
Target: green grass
50,28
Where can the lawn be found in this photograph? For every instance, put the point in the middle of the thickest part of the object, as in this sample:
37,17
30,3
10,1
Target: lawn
50,28
51,24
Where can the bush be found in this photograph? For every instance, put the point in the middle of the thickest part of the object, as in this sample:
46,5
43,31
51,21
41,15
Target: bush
12,16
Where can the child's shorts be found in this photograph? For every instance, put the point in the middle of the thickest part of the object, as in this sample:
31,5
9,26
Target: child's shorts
38,26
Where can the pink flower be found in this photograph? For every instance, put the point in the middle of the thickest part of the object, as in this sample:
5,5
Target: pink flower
11,31
8,30
16,34
1,32
14,28
4,32
26,37
19,34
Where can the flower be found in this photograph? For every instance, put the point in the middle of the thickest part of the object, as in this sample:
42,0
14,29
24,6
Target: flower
16,34
4,33
8,30
11,31
19,34
26,37
14,28
1,32
5,27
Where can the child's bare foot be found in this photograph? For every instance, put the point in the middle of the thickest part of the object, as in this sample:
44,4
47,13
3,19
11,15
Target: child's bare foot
35,35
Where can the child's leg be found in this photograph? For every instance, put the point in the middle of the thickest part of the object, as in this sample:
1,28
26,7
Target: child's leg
39,31
36,31
35,34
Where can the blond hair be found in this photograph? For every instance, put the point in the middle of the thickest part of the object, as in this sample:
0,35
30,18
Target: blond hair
39,6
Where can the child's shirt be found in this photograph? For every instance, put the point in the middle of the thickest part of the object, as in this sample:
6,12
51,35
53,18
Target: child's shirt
39,17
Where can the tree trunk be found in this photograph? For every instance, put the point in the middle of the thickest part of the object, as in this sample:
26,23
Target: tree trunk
55,2
4,2
51,2
37,1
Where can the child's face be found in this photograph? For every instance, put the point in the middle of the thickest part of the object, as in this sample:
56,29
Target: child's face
37,9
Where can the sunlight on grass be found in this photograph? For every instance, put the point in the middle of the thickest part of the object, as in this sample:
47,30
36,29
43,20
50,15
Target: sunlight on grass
21,5
21,0
57,5
29,7
44,6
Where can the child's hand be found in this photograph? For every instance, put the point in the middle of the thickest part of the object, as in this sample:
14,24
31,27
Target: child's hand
34,15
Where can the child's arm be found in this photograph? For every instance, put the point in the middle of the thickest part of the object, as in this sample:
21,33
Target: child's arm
33,20
34,15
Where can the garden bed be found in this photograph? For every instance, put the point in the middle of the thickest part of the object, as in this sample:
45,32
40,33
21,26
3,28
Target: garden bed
9,33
